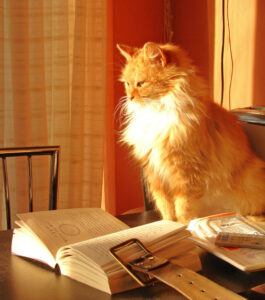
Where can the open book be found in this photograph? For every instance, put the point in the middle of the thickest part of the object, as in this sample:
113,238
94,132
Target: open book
78,241
205,231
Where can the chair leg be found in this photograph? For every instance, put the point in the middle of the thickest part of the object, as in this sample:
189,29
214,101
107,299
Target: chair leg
30,188
54,180
6,188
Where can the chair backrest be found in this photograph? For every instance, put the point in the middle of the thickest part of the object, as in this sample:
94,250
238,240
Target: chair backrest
253,122
28,153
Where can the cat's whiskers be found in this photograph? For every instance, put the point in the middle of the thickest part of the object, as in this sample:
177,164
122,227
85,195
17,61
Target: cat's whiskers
121,109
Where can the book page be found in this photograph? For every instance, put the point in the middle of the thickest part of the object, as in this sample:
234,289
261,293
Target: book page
25,243
97,249
57,228
206,229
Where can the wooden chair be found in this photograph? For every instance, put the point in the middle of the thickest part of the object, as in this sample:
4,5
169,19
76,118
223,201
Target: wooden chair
29,152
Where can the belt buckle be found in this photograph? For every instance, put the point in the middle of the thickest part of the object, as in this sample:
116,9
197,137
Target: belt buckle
150,267
138,268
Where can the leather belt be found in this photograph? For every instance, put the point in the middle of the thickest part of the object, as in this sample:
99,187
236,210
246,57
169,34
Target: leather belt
148,267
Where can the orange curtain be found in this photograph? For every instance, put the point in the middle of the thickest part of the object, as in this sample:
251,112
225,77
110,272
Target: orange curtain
52,89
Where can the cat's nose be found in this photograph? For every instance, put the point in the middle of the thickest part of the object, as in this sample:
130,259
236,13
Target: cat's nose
134,94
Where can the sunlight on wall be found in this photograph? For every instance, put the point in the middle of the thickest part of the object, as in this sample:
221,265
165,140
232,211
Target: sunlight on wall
239,52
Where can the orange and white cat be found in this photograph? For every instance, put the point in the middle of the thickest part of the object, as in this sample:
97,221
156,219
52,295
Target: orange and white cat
195,156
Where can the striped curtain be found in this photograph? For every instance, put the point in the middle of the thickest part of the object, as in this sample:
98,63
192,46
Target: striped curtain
52,92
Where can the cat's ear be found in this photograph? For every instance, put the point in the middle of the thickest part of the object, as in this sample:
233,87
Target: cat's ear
154,53
126,51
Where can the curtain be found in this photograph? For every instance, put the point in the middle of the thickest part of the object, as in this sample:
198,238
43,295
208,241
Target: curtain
52,91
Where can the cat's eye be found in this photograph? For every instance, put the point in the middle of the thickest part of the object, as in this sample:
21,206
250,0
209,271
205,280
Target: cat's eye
140,83
127,83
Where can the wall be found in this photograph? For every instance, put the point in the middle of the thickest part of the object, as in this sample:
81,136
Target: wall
132,23
192,30
244,46
198,27
259,59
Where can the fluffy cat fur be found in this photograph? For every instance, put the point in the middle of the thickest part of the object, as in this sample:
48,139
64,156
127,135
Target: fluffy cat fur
195,156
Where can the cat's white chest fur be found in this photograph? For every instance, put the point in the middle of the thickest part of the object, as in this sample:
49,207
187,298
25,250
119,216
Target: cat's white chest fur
148,125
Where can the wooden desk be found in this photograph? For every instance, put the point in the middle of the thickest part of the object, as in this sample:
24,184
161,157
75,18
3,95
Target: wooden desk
23,279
